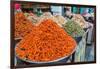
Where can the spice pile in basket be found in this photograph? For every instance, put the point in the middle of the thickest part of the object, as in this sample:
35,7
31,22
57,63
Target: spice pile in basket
22,25
73,29
79,20
46,42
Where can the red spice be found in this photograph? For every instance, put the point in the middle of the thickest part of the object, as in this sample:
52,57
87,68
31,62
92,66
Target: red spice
46,42
22,25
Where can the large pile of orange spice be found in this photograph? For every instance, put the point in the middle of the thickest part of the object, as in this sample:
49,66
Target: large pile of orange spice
47,42
22,25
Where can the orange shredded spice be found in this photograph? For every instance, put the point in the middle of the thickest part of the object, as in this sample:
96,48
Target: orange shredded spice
22,25
45,43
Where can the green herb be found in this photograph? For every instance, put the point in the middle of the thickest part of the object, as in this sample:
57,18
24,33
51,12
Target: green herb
73,29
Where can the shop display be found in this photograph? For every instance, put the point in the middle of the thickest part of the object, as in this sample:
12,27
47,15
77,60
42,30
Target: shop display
48,42
44,34
73,29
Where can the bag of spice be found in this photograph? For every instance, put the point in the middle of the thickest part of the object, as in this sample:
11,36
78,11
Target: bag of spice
60,20
73,29
80,20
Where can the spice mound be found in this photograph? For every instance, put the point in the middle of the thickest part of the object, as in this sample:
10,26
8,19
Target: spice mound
79,20
73,29
47,42
22,25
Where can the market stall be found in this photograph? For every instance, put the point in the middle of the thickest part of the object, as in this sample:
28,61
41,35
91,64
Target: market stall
47,34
